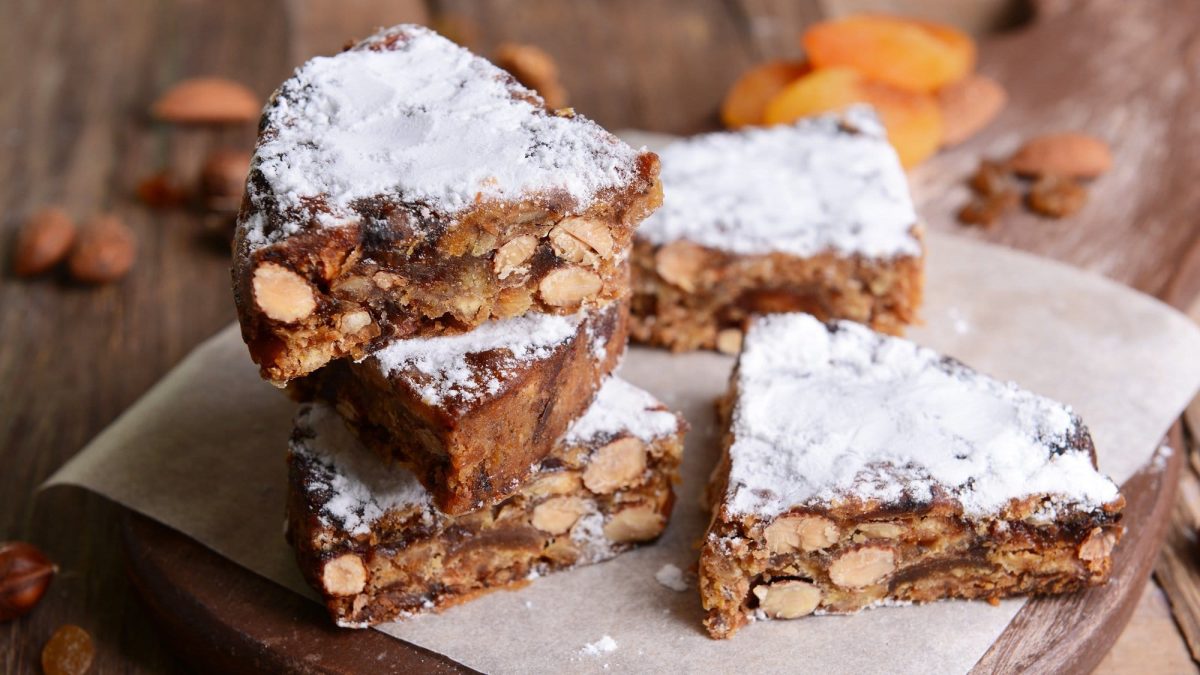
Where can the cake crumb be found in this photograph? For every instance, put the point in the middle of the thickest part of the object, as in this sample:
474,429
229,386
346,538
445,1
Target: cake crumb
602,646
672,577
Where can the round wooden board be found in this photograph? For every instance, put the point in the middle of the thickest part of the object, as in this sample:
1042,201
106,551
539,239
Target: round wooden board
224,618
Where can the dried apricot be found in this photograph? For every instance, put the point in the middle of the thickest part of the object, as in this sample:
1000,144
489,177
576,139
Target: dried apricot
913,55
68,652
747,99
913,120
817,92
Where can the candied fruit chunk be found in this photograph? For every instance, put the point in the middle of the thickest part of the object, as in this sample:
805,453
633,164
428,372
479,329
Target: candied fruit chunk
746,102
913,120
913,55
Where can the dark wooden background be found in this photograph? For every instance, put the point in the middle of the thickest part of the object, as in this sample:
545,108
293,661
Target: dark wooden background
79,75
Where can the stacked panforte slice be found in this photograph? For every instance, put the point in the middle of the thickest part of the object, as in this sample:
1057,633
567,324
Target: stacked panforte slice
814,217
439,268
860,469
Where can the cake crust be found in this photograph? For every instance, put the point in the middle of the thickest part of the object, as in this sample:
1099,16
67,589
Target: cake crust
947,484
409,188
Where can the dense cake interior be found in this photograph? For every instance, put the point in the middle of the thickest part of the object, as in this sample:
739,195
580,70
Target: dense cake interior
826,184
371,541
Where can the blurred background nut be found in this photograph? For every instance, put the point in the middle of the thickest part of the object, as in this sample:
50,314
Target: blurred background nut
535,69
223,180
104,251
42,242
25,573
207,100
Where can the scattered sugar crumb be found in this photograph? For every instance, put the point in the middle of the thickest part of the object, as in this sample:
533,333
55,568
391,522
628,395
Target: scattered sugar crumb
1161,456
528,604
672,577
602,646
959,320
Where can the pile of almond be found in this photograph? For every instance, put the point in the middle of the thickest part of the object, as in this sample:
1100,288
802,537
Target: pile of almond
100,251
1056,166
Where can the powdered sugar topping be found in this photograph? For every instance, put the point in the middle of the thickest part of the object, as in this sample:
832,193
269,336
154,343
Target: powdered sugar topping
802,189
620,408
825,415
359,487
411,117
438,368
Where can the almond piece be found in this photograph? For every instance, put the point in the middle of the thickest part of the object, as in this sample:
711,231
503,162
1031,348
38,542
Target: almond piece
571,249
800,533
1066,154
556,483
616,465
729,341
104,251
223,180
680,263
568,286
510,258
968,106
591,232
42,242
880,530
557,514
636,523
862,566
282,294
788,599
207,100
1097,546
344,575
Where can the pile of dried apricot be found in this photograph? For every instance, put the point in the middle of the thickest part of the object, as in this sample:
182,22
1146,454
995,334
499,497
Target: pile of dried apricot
916,74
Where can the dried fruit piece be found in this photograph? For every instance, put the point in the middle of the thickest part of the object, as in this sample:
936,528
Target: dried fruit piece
985,210
42,242
207,100
913,120
789,599
104,251
968,106
1057,196
535,69
223,180
69,651
993,178
1067,154
913,55
25,573
746,101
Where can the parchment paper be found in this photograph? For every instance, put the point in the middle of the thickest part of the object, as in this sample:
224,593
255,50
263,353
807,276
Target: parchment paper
203,452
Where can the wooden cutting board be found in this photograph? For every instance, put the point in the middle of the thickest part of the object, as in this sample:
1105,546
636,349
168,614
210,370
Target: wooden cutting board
1117,69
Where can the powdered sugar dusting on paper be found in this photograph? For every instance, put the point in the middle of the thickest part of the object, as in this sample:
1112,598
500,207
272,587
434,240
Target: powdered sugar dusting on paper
621,407
823,415
672,577
360,488
438,365
412,117
604,645
802,189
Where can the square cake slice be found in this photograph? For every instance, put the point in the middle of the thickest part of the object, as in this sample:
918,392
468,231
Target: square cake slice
471,414
370,540
814,217
407,187
863,470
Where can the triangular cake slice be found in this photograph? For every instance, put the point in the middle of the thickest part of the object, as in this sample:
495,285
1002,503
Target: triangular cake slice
861,469
472,413
407,187
370,540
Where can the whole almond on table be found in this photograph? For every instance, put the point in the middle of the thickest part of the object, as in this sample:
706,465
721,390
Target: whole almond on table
968,106
1072,155
104,251
535,69
223,180
207,100
42,242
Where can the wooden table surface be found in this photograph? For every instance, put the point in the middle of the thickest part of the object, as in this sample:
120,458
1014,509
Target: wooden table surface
78,77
